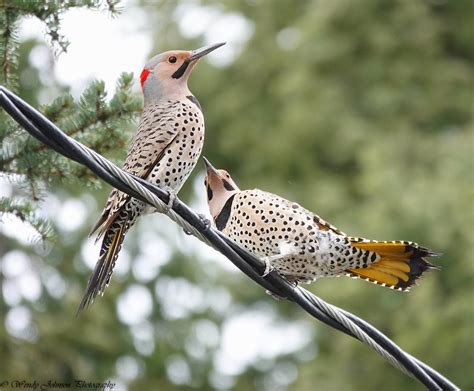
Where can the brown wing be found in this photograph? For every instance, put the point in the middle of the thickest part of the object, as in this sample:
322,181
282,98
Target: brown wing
325,226
156,132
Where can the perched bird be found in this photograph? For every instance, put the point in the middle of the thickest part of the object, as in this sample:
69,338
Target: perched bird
164,151
300,245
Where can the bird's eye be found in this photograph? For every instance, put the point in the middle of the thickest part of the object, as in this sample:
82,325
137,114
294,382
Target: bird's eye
172,59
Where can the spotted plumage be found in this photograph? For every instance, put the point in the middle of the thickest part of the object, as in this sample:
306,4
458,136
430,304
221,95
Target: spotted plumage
303,247
164,151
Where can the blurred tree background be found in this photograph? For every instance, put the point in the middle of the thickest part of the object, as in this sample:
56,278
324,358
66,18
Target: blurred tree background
360,111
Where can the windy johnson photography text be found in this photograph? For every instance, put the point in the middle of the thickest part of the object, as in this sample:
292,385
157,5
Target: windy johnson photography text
56,385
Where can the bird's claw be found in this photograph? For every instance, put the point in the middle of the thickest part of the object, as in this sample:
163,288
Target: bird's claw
268,266
172,198
205,221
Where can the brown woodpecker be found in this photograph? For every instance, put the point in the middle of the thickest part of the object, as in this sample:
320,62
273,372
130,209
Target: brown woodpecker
164,151
300,245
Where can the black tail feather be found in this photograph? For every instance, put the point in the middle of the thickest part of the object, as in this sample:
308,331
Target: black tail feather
111,245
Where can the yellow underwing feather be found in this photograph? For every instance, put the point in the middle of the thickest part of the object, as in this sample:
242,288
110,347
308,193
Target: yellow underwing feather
115,244
392,264
392,248
376,275
393,272
398,265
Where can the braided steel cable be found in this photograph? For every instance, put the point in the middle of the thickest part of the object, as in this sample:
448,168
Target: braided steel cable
46,132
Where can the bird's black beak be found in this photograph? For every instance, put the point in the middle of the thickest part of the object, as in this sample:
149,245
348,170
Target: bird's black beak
210,167
198,53
195,55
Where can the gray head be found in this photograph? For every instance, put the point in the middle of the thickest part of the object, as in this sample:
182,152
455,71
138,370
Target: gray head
166,75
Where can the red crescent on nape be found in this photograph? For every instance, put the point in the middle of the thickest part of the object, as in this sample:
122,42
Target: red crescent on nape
144,76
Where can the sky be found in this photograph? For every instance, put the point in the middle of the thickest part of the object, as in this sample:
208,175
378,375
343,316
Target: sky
249,335
123,45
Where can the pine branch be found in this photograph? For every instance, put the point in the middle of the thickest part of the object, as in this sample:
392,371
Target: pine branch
25,211
93,120
91,112
8,47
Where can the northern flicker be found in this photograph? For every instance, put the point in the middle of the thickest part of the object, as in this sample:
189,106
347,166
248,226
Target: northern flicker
164,151
300,245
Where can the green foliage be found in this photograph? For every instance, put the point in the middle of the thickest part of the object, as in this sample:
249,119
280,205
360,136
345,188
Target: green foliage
25,211
362,112
93,120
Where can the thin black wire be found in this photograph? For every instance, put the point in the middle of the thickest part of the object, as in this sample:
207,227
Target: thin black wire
45,131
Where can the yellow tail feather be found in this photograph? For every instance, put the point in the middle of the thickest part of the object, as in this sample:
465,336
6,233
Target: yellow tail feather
115,244
392,248
375,275
392,272
398,266
393,264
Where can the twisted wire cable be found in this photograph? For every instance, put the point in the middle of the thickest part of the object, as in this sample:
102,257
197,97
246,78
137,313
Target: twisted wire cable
192,223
